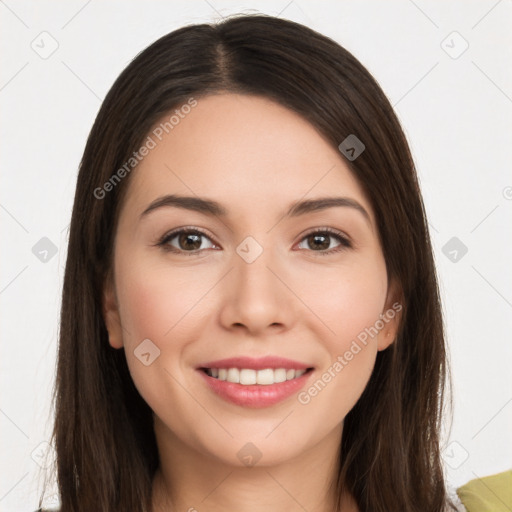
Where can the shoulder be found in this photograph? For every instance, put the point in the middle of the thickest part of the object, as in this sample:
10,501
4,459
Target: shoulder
488,492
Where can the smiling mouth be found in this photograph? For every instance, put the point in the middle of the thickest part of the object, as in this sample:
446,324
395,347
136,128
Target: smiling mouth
250,377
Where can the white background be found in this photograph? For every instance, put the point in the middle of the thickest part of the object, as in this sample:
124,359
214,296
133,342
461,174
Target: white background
457,116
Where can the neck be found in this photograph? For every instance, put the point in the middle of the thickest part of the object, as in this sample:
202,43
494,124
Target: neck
192,481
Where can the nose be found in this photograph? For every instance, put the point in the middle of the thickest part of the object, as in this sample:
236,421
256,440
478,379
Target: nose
256,296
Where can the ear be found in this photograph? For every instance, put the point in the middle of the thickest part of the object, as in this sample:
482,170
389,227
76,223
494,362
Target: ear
111,314
391,316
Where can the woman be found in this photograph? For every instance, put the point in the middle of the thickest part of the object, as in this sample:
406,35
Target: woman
250,315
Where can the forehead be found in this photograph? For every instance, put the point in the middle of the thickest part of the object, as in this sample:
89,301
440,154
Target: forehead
245,151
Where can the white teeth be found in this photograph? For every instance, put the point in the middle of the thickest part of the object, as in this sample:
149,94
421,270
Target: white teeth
233,375
248,377
279,375
265,377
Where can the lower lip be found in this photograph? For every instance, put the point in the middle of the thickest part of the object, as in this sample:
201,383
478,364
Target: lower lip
256,395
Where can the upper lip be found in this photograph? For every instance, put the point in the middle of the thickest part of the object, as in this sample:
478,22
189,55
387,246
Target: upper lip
256,363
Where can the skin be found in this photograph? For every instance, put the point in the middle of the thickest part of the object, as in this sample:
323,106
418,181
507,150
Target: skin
255,157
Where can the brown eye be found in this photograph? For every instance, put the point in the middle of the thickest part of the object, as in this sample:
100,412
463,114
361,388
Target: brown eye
189,241
321,239
185,241
317,241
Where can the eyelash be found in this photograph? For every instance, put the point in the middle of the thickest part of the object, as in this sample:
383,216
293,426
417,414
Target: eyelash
345,243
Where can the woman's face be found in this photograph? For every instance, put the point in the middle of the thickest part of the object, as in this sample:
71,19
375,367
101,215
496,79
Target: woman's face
254,282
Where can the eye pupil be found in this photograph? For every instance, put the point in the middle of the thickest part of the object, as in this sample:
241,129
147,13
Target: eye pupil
322,239
185,238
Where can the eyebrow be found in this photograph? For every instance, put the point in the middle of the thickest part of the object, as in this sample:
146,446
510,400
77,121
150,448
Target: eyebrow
210,207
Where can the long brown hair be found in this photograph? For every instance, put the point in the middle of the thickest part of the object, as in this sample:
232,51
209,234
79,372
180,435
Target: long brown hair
389,457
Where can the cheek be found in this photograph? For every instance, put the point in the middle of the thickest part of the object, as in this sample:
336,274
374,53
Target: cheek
157,302
346,299
166,306
351,311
